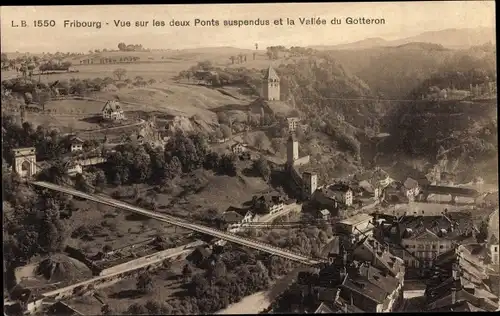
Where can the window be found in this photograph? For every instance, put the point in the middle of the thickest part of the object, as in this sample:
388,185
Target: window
433,246
441,246
496,249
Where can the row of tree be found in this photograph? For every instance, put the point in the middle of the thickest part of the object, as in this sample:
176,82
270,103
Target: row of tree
182,154
130,47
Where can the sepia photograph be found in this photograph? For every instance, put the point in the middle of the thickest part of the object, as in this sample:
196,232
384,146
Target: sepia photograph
265,158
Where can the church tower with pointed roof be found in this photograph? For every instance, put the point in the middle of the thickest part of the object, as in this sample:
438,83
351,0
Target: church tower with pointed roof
271,85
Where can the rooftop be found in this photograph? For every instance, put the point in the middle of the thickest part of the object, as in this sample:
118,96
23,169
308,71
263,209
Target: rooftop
356,219
453,225
333,247
341,187
410,183
231,217
436,189
113,105
271,74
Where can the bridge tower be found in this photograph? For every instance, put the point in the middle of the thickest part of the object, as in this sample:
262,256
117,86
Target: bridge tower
25,162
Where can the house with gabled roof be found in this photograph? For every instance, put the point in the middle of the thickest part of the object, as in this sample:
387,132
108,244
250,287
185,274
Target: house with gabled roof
379,257
76,144
448,290
112,110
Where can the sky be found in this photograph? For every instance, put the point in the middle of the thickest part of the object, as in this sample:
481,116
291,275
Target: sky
402,19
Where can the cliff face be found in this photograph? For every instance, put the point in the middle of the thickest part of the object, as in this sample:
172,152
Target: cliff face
459,138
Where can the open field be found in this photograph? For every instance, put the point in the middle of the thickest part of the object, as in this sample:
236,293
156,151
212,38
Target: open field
105,225
176,99
75,107
161,66
109,226
211,192
123,294
65,124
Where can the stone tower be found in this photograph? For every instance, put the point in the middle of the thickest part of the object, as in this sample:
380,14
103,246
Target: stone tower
292,149
25,162
271,85
310,184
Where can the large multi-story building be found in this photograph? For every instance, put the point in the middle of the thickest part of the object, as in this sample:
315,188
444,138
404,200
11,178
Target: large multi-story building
419,240
357,226
364,279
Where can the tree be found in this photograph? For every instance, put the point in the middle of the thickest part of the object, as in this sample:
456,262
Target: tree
187,272
226,131
100,179
261,166
106,310
211,161
276,144
120,73
228,164
222,118
205,65
136,309
260,139
217,271
28,98
218,134
173,169
144,283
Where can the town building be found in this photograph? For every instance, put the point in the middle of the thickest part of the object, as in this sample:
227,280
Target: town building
395,193
373,182
334,194
419,240
74,168
379,256
112,110
231,219
293,123
493,252
457,284
347,286
238,148
76,144
324,214
268,204
271,85
304,184
357,226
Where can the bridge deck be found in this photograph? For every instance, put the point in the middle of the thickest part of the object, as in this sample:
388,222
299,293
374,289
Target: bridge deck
248,242
436,189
